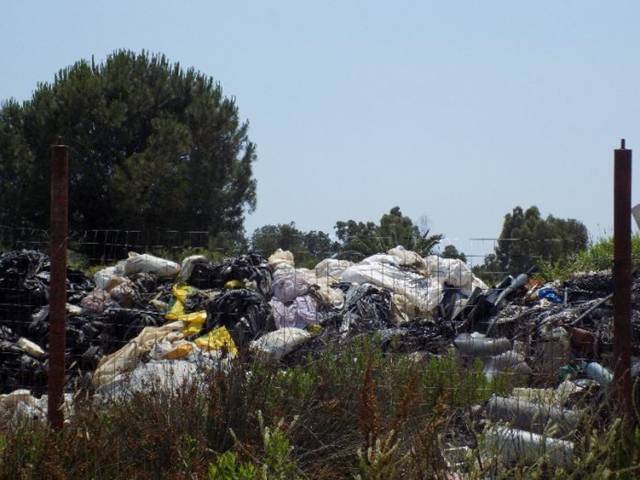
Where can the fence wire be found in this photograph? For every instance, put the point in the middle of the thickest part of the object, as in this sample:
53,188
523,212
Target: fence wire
132,324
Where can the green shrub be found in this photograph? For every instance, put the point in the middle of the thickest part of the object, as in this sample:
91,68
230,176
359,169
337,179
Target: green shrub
599,256
227,467
350,398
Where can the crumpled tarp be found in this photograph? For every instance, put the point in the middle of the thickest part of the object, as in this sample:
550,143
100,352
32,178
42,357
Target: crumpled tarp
423,285
330,269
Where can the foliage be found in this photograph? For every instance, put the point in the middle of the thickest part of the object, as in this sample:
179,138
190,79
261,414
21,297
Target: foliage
308,248
368,238
527,239
380,461
274,462
185,434
151,146
277,463
361,413
450,251
598,256
228,467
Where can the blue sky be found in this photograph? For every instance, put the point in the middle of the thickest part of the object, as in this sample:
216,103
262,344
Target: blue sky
456,110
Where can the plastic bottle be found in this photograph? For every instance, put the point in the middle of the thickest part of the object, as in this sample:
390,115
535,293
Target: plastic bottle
597,372
478,345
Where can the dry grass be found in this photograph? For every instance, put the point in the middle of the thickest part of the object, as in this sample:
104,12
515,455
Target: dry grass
360,414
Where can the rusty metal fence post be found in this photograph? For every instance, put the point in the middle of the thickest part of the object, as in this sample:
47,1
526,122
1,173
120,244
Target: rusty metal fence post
57,287
622,278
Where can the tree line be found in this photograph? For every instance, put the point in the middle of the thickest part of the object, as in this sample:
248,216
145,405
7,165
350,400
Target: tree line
354,240
526,240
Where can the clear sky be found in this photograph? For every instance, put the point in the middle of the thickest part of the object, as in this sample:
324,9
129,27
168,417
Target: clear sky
457,110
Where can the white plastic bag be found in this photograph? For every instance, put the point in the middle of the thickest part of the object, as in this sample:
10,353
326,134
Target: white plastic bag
187,266
287,287
423,293
451,270
407,258
381,258
103,277
277,344
146,263
332,297
308,275
331,269
301,312
281,257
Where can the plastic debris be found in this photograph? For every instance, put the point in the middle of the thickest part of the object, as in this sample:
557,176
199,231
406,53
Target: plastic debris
478,345
367,308
550,293
217,339
597,372
146,263
251,268
534,417
513,445
277,344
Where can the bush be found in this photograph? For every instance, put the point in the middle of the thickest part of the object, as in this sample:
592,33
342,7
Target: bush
353,412
599,256
347,400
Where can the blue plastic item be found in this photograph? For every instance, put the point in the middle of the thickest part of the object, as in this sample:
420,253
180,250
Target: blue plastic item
550,294
597,372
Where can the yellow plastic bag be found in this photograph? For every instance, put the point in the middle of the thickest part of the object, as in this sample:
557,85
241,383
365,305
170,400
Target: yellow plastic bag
217,339
182,350
180,293
193,322
233,284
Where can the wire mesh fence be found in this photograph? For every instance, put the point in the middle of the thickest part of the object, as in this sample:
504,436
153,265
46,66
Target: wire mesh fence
133,320
408,287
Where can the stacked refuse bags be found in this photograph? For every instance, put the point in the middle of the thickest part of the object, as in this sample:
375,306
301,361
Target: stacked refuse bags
268,308
147,320
145,308
24,295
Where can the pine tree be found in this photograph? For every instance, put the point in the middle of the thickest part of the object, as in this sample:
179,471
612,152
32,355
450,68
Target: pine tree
151,146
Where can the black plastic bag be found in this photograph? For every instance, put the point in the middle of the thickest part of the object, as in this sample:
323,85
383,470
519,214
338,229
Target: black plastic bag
245,313
251,267
367,308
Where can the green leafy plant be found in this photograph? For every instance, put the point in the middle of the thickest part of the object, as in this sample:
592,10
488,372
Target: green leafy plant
227,467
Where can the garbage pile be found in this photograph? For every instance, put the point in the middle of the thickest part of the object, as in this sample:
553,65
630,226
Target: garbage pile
150,320
24,288
554,341
269,309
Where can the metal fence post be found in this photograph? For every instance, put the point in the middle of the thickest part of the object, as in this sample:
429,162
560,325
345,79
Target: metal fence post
622,278
57,288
